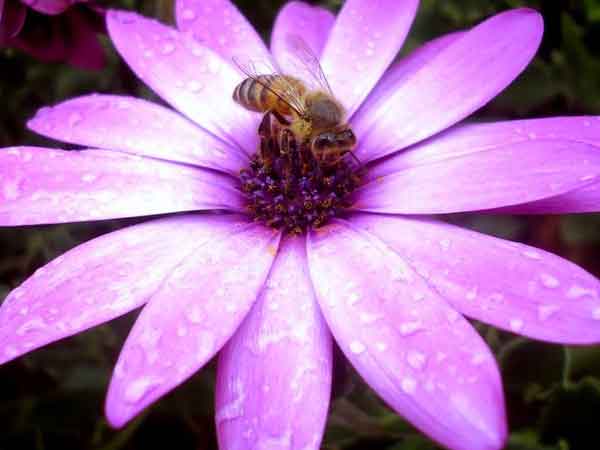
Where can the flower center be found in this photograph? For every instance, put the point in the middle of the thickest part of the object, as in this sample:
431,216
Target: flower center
292,187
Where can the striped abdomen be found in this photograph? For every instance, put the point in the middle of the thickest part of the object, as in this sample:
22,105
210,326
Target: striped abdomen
260,93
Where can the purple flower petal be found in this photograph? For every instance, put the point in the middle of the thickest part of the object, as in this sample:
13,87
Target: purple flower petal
190,318
41,185
98,281
50,7
454,179
219,25
135,126
12,19
472,138
396,75
582,200
274,375
509,285
365,39
191,77
468,139
462,78
313,24
421,356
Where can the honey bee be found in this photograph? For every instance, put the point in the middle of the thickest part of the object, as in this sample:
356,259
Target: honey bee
308,114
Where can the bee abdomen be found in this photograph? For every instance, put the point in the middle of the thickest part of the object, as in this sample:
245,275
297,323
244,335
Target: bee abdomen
268,92
254,93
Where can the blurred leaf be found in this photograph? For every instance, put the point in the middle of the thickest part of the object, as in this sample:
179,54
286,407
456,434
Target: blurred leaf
530,371
572,415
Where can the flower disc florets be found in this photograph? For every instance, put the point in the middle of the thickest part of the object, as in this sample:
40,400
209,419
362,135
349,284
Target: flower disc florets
295,192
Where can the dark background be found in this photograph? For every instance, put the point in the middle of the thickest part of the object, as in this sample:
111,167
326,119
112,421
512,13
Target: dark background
53,398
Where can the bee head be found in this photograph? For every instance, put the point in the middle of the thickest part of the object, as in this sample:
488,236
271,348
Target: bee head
341,139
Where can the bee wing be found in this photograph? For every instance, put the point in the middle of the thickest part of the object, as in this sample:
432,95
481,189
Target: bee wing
305,63
285,90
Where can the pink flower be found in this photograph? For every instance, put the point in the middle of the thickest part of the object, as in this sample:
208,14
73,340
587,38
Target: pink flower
389,283
53,30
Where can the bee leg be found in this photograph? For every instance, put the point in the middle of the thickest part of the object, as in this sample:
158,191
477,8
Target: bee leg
265,133
280,118
286,142
341,157
316,155
294,150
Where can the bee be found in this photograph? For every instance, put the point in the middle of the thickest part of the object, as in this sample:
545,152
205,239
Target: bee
308,113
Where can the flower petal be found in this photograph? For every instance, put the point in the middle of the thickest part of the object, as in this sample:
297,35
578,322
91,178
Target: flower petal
12,19
506,284
39,185
135,126
190,318
50,7
313,24
451,179
462,78
219,25
366,37
582,200
420,355
471,138
397,74
192,78
277,366
97,281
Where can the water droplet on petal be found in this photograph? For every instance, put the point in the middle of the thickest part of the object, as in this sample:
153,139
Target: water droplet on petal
381,346
479,358
408,328
194,315
167,48
235,408
531,254
188,14
11,189
37,324
368,319
205,345
139,388
357,347
546,311
409,385
516,324
452,316
471,294
88,177
10,351
353,298
194,86
418,296
576,292
416,359
445,244
549,281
